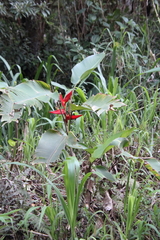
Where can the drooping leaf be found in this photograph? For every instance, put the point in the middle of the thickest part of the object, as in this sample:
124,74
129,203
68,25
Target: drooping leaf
110,143
59,85
82,70
50,146
155,164
26,94
8,109
102,103
120,142
30,93
152,164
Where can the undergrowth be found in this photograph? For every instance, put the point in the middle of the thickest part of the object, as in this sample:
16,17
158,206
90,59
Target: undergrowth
103,182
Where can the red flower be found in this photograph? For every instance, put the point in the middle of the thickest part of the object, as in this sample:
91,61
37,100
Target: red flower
70,117
67,116
65,99
60,111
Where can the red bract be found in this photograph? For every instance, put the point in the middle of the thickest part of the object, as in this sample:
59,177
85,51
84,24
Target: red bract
60,111
70,117
65,99
66,115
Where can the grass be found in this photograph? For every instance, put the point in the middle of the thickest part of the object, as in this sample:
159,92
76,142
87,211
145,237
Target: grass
69,198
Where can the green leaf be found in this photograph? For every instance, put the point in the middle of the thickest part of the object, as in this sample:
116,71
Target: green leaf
27,94
151,70
152,164
31,93
154,228
12,143
59,195
3,85
59,85
102,103
81,94
108,144
120,142
155,164
50,146
44,84
102,172
73,188
75,107
82,70
11,212
8,109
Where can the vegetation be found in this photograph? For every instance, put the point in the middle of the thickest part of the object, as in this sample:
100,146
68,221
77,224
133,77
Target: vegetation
79,158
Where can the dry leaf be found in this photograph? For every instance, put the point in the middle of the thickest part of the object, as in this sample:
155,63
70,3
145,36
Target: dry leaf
107,202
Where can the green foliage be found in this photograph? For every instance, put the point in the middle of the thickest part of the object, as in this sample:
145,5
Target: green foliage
120,105
26,94
50,146
74,189
5,218
82,70
114,140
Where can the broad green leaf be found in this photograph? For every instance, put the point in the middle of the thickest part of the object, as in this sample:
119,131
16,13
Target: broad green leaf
102,172
75,107
102,103
72,142
120,142
8,109
3,85
50,146
31,93
71,176
155,164
26,94
83,69
108,144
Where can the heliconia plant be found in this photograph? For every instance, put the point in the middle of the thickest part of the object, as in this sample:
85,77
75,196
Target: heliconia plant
49,150
66,113
55,141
